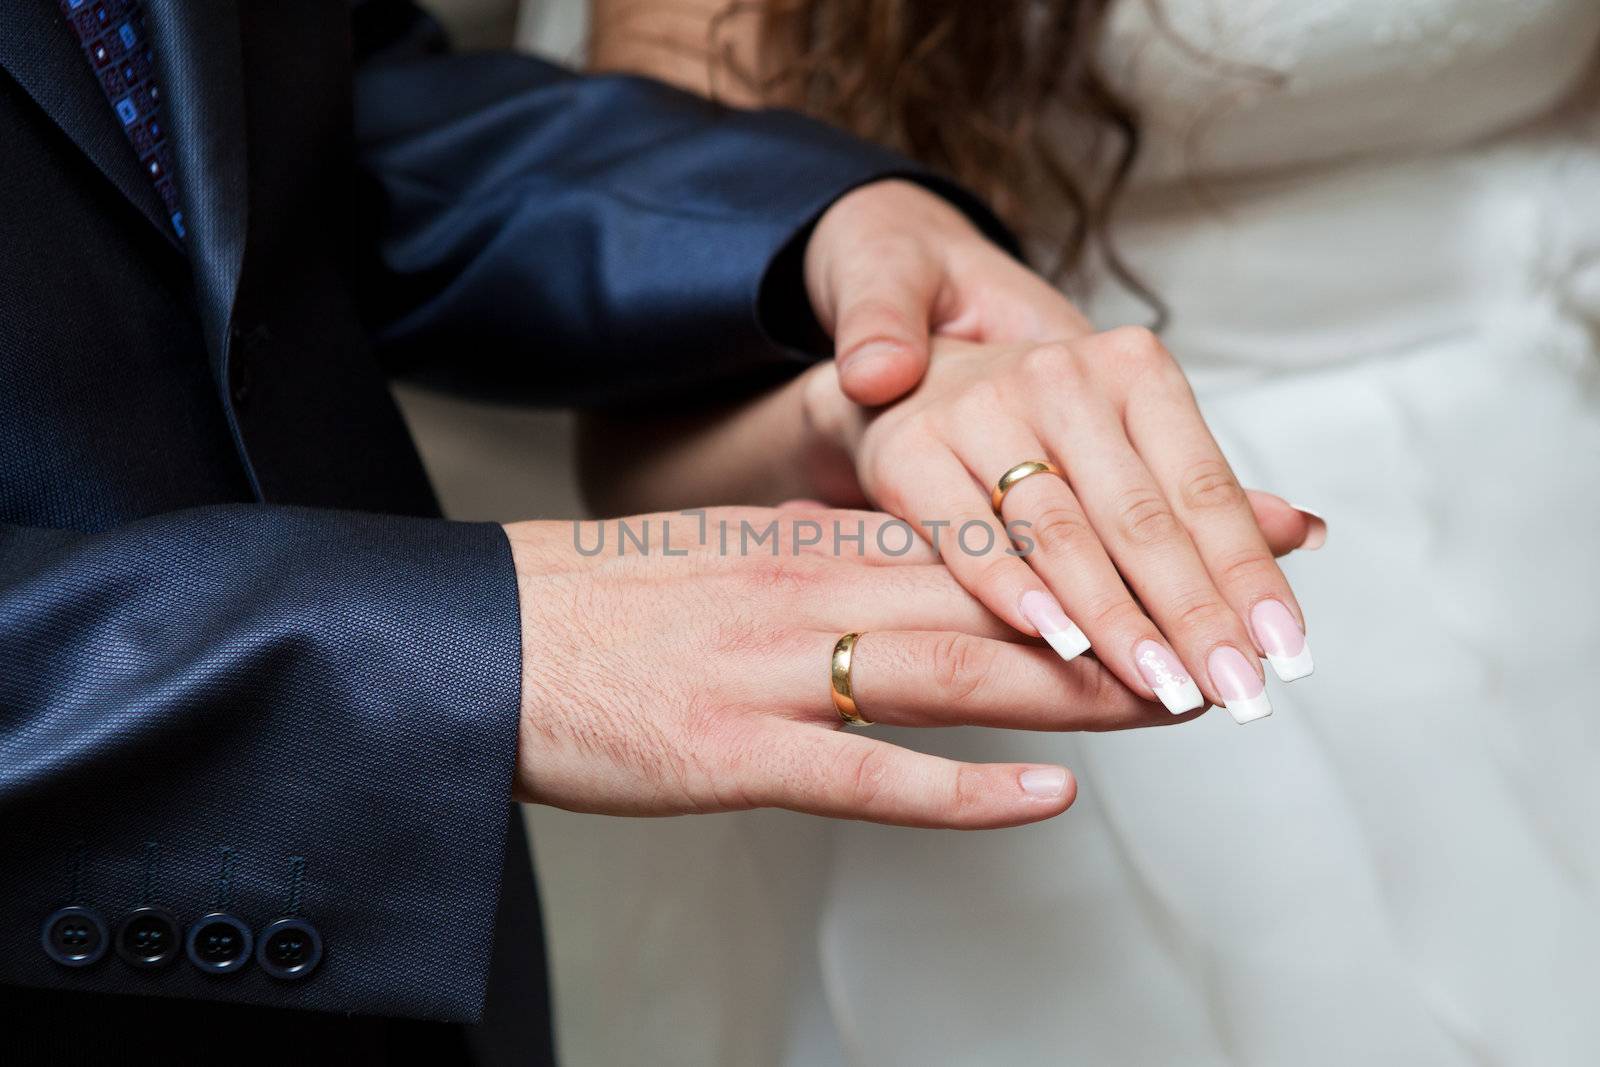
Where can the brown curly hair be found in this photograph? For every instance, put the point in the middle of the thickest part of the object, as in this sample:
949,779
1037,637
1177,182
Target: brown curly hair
961,86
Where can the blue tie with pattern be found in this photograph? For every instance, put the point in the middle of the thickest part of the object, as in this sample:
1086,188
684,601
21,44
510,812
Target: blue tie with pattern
113,36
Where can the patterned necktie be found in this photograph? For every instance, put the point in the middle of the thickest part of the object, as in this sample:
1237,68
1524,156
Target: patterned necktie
113,36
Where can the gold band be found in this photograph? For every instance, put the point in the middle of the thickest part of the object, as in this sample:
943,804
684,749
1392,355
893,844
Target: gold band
843,699
1016,474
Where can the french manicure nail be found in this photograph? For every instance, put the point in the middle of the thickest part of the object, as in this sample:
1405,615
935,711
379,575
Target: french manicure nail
1059,632
1046,783
1316,529
1163,672
1282,640
1241,689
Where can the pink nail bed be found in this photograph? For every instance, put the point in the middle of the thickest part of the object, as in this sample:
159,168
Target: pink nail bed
1242,691
1281,639
1163,672
1059,632
1046,783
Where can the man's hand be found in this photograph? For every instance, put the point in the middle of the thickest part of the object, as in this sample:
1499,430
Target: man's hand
658,684
890,263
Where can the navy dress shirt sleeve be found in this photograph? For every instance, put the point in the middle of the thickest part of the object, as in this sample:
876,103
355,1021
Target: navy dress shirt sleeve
264,712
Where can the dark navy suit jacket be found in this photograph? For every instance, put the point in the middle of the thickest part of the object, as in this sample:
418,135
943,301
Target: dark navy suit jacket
245,671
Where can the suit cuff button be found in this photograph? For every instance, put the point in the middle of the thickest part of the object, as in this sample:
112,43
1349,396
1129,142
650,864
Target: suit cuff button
148,938
219,943
289,949
74,936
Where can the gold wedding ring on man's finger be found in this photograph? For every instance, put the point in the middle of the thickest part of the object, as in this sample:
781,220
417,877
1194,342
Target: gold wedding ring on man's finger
843,695
844,700
1016,474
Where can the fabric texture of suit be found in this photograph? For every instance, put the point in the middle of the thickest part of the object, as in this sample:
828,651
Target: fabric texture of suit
243,665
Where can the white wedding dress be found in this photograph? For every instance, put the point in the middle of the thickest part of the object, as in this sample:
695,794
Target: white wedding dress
1377,224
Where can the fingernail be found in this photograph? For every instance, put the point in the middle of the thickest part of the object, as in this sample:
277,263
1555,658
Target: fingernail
1045,783
1316,529
1282,640
1059,632
1241,689
1163,672
865,356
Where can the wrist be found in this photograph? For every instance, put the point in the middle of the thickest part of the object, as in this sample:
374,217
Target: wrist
535,555
893,206
831,427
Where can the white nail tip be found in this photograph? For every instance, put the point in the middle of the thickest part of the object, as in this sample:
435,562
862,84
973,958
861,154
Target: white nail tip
1069,644
1249,709
1182,698
1292,668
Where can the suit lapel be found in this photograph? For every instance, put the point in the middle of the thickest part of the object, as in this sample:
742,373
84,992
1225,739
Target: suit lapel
40,51
241,175
197,47
198,59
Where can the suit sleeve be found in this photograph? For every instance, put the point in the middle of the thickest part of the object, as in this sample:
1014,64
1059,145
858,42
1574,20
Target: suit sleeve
266,712
593,239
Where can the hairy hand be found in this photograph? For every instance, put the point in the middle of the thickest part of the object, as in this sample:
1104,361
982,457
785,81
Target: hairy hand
658,684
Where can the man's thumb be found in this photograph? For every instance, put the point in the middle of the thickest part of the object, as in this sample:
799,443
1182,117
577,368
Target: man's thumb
881,342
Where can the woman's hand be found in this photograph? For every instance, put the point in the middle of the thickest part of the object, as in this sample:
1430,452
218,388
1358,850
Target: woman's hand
695,677
1147,541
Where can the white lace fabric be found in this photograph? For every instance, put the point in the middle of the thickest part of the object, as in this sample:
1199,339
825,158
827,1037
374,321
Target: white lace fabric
1241,86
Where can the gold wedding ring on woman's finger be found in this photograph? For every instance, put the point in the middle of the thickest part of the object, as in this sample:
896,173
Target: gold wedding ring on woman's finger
843,695
1022,470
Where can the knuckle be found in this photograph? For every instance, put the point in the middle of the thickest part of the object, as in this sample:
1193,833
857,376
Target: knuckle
866,773
1047,364
1146,519
1141,360
1115,612
1209,485
962,665
1064,531
1136,343
1199,612
1247,567
966,794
